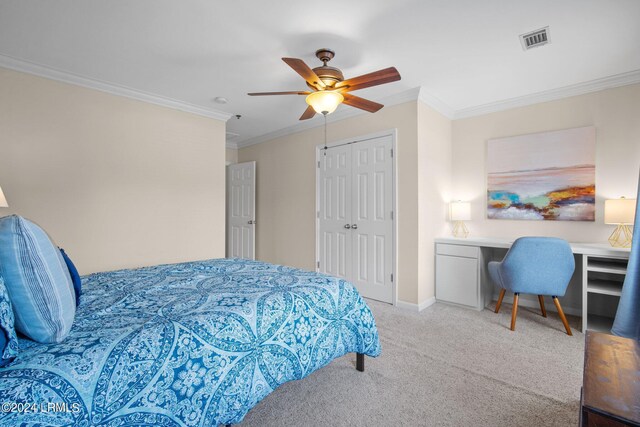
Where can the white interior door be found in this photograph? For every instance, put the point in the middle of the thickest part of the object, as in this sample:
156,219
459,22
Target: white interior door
241,210
355,215
335,212
372,223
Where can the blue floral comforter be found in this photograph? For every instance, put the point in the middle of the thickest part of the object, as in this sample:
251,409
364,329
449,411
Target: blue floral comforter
192,344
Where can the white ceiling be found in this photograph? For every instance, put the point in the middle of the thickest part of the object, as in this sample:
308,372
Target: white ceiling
464,53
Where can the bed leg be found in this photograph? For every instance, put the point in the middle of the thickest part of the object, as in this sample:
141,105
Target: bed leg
360,362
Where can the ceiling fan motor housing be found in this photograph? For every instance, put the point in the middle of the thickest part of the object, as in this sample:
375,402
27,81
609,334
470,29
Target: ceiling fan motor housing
329,75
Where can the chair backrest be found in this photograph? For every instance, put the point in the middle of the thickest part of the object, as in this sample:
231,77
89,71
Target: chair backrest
539,265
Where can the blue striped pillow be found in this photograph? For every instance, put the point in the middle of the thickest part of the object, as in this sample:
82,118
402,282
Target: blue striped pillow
8,338
37,281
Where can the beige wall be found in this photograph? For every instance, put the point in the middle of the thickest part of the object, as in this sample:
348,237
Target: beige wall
116,182
616,115
286,191
434,183
231,155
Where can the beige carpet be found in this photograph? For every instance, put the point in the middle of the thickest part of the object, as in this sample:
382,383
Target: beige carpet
445,366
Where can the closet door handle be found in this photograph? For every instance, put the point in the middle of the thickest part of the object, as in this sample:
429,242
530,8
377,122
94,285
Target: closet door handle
347,226
354,226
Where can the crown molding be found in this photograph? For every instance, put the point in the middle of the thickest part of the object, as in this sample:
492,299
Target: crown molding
230,140
111,88
342,114
624,79
436,104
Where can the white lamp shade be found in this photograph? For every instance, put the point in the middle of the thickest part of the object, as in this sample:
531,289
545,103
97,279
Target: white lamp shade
460,211
619,211
3,200
324,102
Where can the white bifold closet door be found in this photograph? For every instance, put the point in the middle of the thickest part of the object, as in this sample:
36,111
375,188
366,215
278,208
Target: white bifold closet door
355,218
241,210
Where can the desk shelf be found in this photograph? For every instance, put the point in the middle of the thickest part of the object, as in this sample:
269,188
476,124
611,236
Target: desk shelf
600,323
605,287
607,265
607,268
602,286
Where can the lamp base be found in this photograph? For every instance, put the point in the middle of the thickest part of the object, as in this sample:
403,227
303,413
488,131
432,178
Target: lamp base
621,236
460,230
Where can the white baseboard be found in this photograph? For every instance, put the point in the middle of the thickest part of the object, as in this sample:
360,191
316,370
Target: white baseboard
530,303
416,307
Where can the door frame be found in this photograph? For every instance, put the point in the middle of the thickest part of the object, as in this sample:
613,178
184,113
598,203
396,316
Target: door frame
394,187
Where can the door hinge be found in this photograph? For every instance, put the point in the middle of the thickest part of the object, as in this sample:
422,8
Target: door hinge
392,277
318,164
318,214
318,263
391,214
392,152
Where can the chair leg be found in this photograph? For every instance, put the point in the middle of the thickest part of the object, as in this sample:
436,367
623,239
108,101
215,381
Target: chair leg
499,303
562,316
514,311
541,299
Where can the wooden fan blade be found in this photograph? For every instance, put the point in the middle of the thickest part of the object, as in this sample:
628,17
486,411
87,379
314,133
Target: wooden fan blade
278,93
361,103
308,113
307,73
367,80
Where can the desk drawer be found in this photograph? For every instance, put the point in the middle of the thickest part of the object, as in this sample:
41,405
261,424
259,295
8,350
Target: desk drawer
457,250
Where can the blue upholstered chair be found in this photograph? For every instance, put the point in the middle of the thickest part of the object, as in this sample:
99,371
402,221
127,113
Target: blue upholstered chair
535,265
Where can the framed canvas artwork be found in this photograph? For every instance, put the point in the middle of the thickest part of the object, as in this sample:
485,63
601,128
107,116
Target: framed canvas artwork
543,176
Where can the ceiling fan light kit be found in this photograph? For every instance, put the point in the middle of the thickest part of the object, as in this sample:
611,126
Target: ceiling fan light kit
329,88
324,101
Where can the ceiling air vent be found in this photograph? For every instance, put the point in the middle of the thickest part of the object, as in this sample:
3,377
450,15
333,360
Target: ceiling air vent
535,38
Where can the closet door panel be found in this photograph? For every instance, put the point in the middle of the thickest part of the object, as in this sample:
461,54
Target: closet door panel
335,213
372,223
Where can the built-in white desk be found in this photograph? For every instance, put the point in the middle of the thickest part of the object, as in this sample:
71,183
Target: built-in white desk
593,293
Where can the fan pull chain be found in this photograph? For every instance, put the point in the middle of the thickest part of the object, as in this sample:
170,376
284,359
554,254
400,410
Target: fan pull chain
325,132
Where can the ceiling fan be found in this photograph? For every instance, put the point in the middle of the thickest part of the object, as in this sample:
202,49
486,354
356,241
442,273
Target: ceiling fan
329,88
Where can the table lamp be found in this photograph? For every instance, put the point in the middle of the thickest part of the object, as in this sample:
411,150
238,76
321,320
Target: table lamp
458,213
3,200
620,212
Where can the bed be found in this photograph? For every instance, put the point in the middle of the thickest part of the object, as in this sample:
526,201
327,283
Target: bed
190,344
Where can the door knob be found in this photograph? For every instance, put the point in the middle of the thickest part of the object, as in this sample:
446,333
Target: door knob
354,226
251,222
347,226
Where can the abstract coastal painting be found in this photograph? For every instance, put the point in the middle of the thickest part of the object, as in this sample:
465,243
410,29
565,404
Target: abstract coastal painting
543,176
